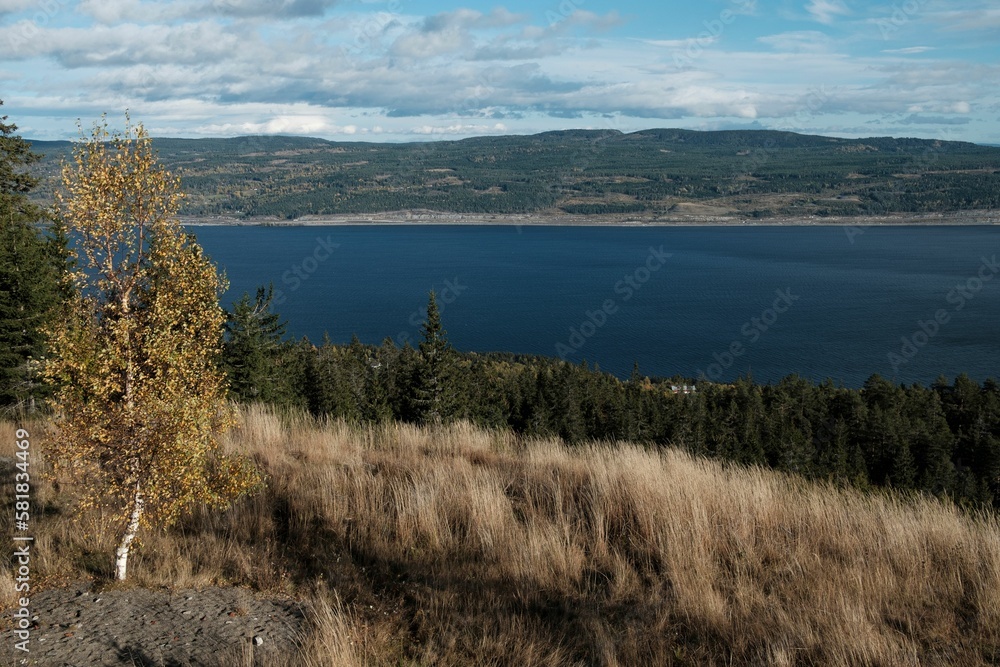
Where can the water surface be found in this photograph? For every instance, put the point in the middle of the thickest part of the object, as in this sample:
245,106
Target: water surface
828,301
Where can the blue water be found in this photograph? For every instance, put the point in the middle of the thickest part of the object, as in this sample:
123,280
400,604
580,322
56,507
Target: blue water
829,302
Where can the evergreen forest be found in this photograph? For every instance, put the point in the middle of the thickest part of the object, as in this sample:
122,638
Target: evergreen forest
942,440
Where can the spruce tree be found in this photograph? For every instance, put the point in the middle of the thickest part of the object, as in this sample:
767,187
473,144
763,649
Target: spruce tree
323,385
376,407
751,404
32,264
931,441
250,354
393,377
569,417
433,391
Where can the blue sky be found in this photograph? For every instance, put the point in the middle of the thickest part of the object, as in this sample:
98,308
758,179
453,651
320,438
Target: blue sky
405,70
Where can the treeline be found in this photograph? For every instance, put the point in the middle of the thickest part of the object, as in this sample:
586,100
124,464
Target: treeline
943,440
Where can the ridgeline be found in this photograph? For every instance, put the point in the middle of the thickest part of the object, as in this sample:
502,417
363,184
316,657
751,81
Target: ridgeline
651,175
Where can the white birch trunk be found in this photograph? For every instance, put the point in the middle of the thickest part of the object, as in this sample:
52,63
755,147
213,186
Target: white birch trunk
121,554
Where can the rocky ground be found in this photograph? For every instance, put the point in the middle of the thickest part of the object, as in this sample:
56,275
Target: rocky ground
78,626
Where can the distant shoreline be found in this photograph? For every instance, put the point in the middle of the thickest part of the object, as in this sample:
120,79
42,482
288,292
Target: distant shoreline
419,217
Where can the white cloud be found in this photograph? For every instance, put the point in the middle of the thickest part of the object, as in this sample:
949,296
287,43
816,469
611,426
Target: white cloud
677,44
273,8
431,44
202,63
115,11
798,41
11,6
452,32
960,106
584,18
125,44
470,18
460,129
969,19
291,119
477,36
205,66
145,11
910,50
826,11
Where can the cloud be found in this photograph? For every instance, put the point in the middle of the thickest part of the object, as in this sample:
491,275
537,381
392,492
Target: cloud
249,66
505,47
678,44
110,12
921,75
451,32
127,44
12,6
460,129
285,125
910,50
826,11
969,19
586,19
469,19
744,7
798,41
430,44
233,65
568,85
270,8
473,35
953,107
915,119
298,125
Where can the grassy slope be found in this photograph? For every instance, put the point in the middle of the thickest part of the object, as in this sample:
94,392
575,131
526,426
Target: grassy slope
650,173
460,547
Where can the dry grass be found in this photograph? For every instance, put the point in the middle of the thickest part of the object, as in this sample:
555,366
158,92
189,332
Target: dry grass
457,546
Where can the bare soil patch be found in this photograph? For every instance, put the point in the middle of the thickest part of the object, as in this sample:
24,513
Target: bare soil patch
79,626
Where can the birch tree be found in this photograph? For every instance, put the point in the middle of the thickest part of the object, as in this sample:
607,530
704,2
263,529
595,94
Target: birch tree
140,400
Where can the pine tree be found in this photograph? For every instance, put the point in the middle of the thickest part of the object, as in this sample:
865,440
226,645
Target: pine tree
32,265
141,401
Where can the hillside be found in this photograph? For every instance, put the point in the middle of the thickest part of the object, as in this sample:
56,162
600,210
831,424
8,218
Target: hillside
459,546
651,174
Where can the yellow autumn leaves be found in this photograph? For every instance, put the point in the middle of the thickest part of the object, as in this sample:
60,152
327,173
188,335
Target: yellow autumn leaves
141,400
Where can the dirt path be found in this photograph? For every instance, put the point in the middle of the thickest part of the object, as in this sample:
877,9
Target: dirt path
80,627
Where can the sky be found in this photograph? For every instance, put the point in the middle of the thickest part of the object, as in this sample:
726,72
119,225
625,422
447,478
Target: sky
410,70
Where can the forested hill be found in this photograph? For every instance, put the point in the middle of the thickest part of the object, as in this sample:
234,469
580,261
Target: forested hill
659,173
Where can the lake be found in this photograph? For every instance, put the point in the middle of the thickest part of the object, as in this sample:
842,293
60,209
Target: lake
909,303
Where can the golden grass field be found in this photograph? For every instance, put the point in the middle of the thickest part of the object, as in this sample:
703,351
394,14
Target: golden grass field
458,546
